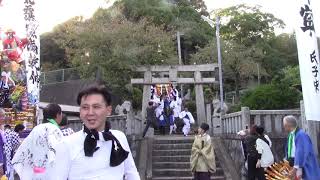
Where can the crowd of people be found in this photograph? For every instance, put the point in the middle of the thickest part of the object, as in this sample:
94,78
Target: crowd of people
165,110
52,151
258,156
9,142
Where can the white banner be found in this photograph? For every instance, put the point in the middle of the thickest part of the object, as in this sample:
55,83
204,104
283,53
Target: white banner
308,58
32,51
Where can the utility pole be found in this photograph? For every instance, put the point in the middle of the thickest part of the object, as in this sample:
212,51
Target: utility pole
179,47
211,23
180,59
259,77
219,62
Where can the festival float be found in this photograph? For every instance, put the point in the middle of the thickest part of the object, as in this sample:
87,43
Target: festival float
20,66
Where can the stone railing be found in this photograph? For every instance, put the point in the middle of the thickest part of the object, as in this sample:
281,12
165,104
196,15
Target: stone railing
271,120
232,123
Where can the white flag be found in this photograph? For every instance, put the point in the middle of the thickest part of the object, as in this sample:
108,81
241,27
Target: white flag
32,51
308,58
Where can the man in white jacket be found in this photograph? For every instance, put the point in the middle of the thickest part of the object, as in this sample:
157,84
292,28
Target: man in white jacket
97,152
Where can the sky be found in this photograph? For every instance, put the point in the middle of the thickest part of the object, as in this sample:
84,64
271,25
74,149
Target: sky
52,12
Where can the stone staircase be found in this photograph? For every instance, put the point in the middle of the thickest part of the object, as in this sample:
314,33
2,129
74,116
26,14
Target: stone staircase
171,159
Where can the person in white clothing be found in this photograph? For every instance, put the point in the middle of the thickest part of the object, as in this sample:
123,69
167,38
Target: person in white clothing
36,156
187,118
96,152
268,139
262,145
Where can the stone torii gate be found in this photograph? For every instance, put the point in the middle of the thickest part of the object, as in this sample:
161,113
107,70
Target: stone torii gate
173,78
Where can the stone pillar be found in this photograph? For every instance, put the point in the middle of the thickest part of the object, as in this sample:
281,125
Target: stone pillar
201,116
278,123
312,128
173,74
245,117
146,93
268,123
209,115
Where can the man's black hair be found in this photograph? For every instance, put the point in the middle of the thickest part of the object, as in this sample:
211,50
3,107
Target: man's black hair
19,127
64,120
7,126
50,112
260,130
204,126
96,89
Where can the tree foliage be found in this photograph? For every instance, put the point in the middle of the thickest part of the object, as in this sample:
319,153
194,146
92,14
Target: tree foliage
272,96
283,93
249,46
247,25
173,16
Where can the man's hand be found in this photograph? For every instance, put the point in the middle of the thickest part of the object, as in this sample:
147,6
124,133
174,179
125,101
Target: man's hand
1,171
258,165
293,173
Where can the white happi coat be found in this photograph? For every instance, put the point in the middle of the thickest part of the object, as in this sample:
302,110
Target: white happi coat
187,122
38,150
72,164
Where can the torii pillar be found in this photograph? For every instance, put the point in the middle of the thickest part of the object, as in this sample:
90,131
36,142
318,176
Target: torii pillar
201,113
146,92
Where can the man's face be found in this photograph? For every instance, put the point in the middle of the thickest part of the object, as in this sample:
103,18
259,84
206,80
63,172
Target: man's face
286,126
200,131
93,111
59,118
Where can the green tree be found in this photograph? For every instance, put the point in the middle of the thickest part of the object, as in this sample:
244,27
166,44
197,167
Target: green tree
245,35
280,51
247,25
272,96
283,93
115,46
59,46
52,55
239,63
173,16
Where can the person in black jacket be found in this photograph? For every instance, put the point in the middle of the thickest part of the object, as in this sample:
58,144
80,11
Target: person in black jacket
151,117
253,155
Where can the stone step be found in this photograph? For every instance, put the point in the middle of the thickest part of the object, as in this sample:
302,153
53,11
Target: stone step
173,141
174,165
170,158
172,146
179,172
187,178
172,152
